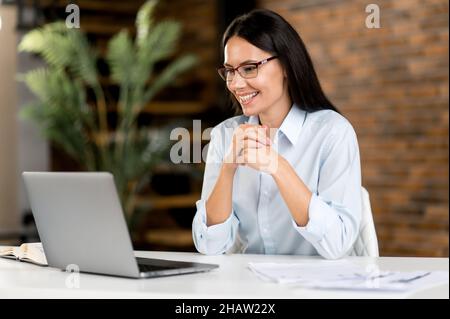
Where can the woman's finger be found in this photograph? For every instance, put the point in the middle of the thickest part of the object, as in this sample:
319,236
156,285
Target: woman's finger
251,143
255,133
245,133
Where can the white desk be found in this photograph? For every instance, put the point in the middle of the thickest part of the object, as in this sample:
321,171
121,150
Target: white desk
232,280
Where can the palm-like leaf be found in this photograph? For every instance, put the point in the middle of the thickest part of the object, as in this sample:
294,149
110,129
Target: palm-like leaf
121,58
61,47
144,21
169,74
83,63
161,42
51,43
35,40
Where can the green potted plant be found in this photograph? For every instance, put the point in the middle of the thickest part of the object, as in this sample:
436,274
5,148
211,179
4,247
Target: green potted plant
79,125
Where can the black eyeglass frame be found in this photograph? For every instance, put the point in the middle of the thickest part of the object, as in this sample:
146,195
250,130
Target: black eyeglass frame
236,69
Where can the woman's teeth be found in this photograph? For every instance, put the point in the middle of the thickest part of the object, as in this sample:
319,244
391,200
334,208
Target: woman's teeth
248,97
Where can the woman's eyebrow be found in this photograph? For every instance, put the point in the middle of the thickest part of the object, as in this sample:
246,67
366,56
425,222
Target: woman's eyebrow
244,62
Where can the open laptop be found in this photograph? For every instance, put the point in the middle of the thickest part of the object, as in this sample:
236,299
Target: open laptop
80,221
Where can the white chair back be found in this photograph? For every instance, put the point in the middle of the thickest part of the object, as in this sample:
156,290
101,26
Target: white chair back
366,243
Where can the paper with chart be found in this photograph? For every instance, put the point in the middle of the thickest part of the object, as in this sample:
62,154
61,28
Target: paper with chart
342,274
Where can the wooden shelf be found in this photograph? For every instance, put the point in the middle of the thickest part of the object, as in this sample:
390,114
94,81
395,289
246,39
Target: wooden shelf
170,237
175,108
163,168
171,108
167,202
124,7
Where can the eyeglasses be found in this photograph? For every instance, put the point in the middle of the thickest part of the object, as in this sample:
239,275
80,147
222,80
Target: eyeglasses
247,70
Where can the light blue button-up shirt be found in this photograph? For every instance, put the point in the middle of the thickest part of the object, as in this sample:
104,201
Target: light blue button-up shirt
322,148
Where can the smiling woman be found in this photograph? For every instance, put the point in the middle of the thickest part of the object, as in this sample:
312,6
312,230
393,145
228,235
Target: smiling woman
284,177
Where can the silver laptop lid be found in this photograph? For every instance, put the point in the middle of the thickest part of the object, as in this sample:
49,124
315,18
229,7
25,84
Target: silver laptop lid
80,221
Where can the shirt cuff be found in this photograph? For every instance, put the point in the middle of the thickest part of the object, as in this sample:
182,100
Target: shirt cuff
319,213
218,232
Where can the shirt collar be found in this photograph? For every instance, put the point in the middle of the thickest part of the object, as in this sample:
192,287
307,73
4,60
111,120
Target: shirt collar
292,123
254,119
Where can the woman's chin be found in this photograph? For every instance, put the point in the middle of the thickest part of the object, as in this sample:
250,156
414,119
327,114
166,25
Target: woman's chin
248,110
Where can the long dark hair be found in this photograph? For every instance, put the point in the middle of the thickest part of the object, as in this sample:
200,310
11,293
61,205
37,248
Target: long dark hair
270,32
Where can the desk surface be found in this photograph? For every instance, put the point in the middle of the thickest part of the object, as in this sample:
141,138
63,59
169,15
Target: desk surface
232,280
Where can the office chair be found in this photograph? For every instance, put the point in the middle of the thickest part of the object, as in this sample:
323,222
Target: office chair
366,243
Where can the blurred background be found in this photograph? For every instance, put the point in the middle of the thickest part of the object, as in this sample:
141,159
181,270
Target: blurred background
390,82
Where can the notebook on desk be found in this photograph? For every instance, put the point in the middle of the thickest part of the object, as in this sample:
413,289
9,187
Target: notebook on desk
80,221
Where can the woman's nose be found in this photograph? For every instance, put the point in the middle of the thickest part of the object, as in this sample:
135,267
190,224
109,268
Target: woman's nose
237,82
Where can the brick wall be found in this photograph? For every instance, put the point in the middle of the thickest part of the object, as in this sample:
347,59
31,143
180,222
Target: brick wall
392,84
